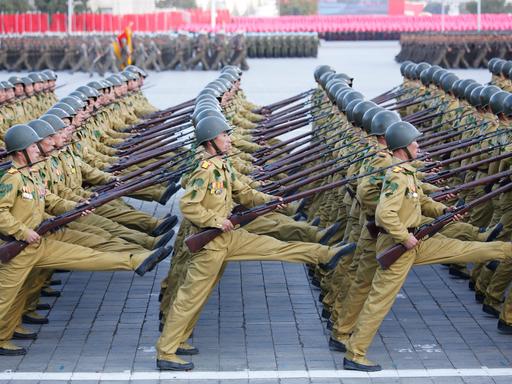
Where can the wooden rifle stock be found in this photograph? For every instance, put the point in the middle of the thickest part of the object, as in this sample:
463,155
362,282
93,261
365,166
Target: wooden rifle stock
169,110
392,254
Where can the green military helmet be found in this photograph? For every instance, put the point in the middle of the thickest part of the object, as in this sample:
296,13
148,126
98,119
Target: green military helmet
324,79
506,67
1,86
134,68
350,109
44,76
90,92
509,74
426,77
368,117
409,71
36,77
343,77
507,106
7,84
42,128
55,121
60,113
96,85
106,83
228,76
400,135
215,86
51,74
333,81
349,96
80,95
66,107
381,121
207,98
459,89
469,88
496,101
333,89
130,75
16,80
403,66
210,91
115,80
225,83
448,81
206,112
359,111
474,97
74,102
486,94
419,68
19,137
438,76
497,67
202,107
320,70
340,95
27,81
490,63
209,128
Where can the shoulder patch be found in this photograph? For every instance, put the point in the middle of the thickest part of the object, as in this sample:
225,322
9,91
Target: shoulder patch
205,164
397,169
12,171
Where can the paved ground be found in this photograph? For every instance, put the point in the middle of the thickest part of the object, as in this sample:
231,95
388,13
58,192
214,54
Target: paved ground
262,324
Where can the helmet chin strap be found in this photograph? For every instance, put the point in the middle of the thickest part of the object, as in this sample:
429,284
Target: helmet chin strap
408,153
218,152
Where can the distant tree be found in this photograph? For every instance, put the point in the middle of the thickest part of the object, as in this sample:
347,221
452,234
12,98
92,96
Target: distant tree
185,4
434,7
61,6
297,7
13,6
489,6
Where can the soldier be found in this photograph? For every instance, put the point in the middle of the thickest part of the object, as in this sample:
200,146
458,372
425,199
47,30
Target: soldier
154,58
219,51
239,52
401,204
207,202
180,53
140,55
22,201
200,54
83,62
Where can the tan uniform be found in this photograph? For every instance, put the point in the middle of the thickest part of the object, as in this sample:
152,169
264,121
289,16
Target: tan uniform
400,208
207,202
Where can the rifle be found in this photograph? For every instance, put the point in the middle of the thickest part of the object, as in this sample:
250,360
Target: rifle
289,127
13,247
450,172
278,105
148,168
392,254
285,114
448,135
488,181
122,164
460,157
153,143
298,143
197,241
166,129
170,110
262,151
143,126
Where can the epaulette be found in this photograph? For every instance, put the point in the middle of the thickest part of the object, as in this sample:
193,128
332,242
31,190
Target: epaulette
381,154
12,171
397,169
205,164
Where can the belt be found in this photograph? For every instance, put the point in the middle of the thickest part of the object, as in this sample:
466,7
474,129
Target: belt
351,192
382,230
